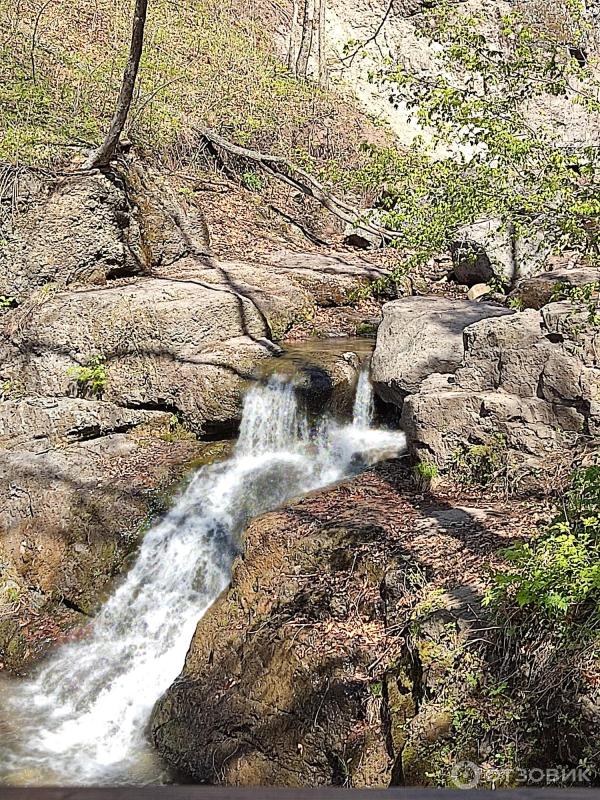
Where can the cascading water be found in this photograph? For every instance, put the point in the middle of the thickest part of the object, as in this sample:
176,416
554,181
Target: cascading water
82,719
362,414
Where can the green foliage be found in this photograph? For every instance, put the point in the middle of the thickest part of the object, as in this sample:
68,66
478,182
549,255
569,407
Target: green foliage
427,469
586,296
516,303
91,378
480,464
7,302
11,390
497,285
366,329
559,572
204,61
425,472
252,181
12,594
486,159
176,431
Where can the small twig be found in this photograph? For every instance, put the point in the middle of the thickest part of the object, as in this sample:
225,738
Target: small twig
151,97
348,60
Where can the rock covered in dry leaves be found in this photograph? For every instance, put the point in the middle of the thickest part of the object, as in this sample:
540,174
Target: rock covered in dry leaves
300,674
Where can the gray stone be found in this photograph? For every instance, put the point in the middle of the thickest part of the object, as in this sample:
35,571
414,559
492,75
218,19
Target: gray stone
486,251
35,423
421,335
81,229
520,378
356,235
167,345
478,291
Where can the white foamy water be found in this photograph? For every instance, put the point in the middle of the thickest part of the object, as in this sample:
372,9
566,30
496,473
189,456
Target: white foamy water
82,719
362,415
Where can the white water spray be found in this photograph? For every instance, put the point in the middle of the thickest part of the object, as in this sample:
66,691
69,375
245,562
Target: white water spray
82,719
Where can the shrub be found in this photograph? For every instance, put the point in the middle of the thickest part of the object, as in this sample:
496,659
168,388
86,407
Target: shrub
252,181
559,572
480,464
426,470
91,378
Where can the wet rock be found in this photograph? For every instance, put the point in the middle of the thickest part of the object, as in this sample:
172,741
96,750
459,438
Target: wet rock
418,336
346,648
324,377
78,481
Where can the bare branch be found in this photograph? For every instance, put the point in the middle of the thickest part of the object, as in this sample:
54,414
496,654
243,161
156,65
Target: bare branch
373,38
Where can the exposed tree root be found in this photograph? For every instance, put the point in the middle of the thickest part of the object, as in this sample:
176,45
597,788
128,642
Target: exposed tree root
281,169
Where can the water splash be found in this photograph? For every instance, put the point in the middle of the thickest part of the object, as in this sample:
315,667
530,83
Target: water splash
82,719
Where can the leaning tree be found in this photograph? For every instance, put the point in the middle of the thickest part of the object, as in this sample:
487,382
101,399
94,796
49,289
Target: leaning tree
103,154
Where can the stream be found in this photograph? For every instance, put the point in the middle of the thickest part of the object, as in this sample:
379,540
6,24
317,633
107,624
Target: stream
82,718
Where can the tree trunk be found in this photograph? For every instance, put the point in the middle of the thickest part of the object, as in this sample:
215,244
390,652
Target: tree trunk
322,51
306,40
293,51
102,156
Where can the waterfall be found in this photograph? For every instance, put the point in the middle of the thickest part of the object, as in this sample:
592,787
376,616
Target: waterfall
362,414
82,718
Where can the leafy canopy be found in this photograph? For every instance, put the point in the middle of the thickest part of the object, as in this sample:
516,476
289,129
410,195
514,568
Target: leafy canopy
494,151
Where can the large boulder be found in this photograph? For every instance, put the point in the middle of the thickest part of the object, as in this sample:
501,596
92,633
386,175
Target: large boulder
348,644
488,251
295,675
183,346
287,288
528,383
173,345
80,229
421,335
